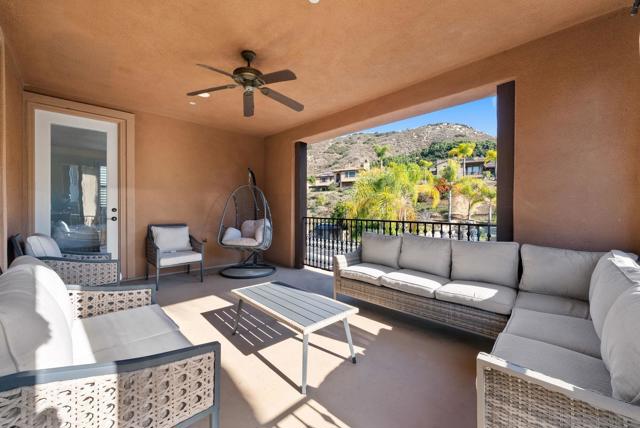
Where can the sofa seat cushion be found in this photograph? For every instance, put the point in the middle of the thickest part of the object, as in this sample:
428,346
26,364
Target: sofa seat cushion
573,333
381,249
552,304
577,369
413,282
116,331
557,271
492,262
425,254
366,272
179,257
613,275
481,295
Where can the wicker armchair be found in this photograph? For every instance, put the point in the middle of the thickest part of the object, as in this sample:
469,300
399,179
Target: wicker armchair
173,388
79,268
162,258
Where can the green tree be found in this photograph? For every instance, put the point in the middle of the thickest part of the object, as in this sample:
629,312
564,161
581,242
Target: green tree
490,196
492,156
472,190
311,180
450,177
340,210
463,151
381,154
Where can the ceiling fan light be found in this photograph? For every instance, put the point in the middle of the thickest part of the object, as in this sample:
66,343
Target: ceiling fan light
204,95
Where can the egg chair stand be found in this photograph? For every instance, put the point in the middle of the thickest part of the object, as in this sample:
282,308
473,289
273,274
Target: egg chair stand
246,226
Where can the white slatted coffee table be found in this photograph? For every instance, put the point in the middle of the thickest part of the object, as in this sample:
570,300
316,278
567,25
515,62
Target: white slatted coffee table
301,311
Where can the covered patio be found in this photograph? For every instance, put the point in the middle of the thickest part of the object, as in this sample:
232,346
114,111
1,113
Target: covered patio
120,117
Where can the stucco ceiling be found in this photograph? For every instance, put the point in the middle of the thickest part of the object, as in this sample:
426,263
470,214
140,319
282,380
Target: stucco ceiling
140,55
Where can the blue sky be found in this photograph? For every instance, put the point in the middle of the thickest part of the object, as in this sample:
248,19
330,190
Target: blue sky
479,114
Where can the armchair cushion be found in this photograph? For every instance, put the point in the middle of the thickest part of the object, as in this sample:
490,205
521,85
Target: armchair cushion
557,271
572,367
179,258
381,249
431,255
39,245
171,238
125,334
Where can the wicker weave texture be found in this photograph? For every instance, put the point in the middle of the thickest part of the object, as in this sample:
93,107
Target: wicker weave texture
513,402
85,272
463,317
156,397
89,303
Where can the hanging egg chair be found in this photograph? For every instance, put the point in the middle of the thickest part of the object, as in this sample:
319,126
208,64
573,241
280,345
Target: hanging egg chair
246,226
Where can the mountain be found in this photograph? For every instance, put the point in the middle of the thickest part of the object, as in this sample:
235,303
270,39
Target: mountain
353,149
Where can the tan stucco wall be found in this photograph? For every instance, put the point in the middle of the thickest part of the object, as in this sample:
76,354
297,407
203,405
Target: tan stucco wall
577,135
184,173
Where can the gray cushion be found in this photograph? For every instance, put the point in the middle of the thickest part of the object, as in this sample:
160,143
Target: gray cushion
621,345
36,328
607,283
381,249
413,282
557,271
124,334
481,295
569,366
572,333
494,262
171,238
432,255
40,245
552,304
179,258
366,272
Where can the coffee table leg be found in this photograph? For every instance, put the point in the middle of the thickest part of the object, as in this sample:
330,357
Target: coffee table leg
305,349
235,327
348,332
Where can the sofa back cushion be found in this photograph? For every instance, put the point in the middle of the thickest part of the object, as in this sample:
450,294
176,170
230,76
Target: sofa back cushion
494,262
431,255
35,329
620,346
557,271
171,238
381,249
39,245
609,281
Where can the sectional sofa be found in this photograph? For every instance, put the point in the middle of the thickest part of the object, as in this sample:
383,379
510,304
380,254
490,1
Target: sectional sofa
97,356
567,328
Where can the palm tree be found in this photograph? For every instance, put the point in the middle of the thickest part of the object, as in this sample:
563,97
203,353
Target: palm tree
472,189
490,195
450,176
463,151
381,153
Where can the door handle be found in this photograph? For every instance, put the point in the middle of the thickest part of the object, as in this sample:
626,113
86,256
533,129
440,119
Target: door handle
114,218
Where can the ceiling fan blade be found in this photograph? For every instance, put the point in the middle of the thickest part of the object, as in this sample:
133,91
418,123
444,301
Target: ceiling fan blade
248,103
278,76
215,88
277,96
217,70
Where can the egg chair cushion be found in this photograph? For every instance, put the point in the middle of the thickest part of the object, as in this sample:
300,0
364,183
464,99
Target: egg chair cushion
241,242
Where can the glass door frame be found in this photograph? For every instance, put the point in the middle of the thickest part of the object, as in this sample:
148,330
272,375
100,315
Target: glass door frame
44,120
131,265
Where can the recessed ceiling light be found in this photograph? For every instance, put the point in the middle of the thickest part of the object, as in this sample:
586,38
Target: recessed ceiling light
314,1
204,95
192,103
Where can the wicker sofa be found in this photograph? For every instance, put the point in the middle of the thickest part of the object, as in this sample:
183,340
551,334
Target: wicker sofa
567,352
96,356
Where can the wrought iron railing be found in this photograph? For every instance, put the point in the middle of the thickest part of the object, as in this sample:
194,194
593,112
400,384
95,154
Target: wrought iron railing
326,237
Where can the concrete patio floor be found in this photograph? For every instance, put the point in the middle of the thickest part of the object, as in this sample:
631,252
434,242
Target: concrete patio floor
409,373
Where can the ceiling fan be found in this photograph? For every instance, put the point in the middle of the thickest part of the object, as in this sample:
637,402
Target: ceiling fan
252,79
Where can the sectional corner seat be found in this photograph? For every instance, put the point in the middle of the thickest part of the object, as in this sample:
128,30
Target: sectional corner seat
96,356
568,331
